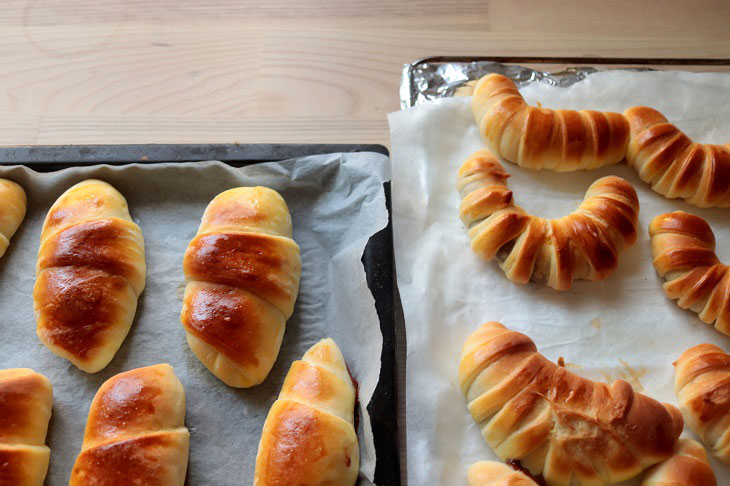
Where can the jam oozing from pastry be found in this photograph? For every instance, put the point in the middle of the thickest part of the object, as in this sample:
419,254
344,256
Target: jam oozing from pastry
517,466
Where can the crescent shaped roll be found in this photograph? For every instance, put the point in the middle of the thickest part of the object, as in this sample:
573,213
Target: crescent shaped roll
26,399
702,385
309,437
674,165
243,270
571,430
89,274
492,473
585,244
12,211
538,138
135,433
683,247
688,467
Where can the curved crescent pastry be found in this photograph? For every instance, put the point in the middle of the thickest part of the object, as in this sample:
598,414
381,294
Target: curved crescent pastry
492,473
570,429
673,164
12,211
537,138
702,385
683,246
688,467
135,433
243,270
26,399
582,245
89,274
309,437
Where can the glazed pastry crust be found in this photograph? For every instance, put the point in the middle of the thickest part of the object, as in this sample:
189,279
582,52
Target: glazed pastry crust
570,430
89,273
243,270
13,203
135,432
702,385
492,473
309,437
683,247
585,244
538,138
26,399
687,467
674,165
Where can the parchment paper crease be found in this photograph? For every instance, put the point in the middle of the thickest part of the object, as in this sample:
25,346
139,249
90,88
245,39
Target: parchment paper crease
622,327
337,203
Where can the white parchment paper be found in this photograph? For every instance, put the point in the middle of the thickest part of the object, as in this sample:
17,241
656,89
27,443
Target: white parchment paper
623,327
336,202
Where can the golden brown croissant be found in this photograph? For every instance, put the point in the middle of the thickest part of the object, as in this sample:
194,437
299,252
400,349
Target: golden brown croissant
12,211
309,437
243,272
26,398
683,246
673,164
537,138
573,431
687,467
582,245
702,385
492,473
135,433
89,274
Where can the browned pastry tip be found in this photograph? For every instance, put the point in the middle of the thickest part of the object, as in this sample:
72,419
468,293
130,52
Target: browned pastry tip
702,385
585,244
674,165
683,247
13,203
538,138
687,467
564,427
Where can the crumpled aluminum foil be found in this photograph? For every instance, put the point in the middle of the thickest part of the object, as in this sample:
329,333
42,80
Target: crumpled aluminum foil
427,80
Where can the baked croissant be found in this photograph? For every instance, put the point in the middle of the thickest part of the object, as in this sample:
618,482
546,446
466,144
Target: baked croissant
673,164
582,245
492,473
309,437
89,274
688,467
683,246
12,211
243,272
135,433
702,385
537,138
573,431
26,399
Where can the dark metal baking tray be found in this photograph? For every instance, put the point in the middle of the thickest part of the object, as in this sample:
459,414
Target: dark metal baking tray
377,258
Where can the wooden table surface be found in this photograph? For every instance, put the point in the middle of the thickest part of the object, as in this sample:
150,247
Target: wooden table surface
134,71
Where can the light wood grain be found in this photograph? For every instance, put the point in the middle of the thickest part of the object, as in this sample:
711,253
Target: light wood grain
110,71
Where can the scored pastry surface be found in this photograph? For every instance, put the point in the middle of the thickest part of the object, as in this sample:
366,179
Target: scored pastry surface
585,244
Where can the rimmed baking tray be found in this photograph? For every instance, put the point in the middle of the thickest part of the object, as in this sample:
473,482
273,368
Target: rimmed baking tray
441,76
377,258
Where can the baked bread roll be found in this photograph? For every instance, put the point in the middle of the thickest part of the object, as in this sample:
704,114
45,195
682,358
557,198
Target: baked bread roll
26,399
538,138
243,272
688,467
89,274
702,385
135,433
673,164
309,437
12,211
585,244
683,246
492,473
570,430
